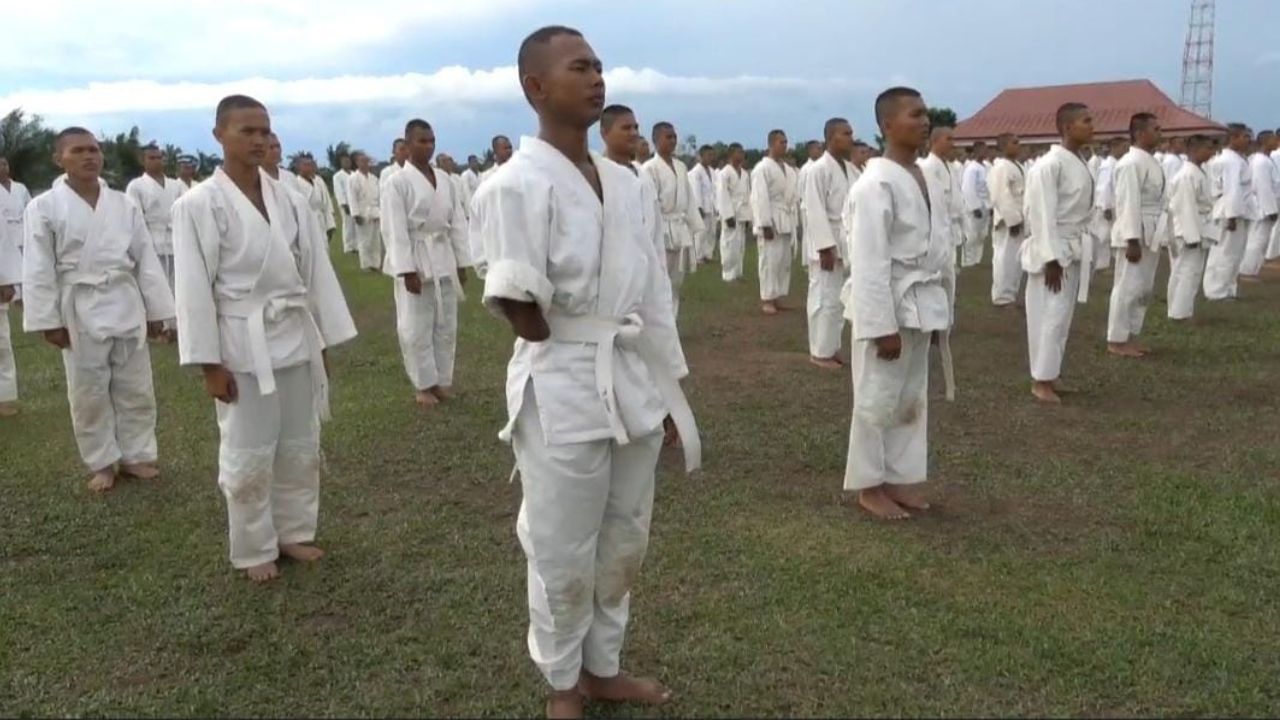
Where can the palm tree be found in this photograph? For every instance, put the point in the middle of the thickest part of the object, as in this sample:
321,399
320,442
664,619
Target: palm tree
206,163
28,145
335,151
172,153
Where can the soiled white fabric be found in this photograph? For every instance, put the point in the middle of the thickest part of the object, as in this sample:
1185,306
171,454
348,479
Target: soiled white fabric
342,195
156,198
900,281
681,225
389,171
470,183
364,193
316,195
258,296
13,203
825,197
586,442
943,175
10,275
427,235
1266,192
702,178
733,201
775,204
93,271
977,199
1141,214
1192,231
1058,203
1006,184
1235,201
1104,201
1172,163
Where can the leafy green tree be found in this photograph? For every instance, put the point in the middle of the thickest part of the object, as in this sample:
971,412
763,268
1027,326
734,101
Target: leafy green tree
942,117
334,151
28,145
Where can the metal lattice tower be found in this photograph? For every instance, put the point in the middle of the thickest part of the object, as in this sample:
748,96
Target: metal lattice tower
1197,60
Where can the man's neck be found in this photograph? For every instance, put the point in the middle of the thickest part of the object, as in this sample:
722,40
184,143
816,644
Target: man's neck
424,166
157,176
86,188
570,141
622,157
1149,149
841,158
244,175
778,159
904,155
666,157
5,181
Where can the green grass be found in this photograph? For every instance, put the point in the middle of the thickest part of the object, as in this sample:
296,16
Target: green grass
1115,556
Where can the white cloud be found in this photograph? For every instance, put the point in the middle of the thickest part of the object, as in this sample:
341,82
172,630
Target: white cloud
451,86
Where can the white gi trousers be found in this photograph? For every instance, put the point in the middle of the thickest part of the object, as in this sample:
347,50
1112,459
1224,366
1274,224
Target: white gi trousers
1255,249
1131,293
826,312
1006,266
1187,268
888,437
368,242
1101,241
1049,317
269,465
166,264
706,241
428,334
1273,245
676,273
584,527
976,231
1222,269
732,247
8,368
349,242
113,403
775,266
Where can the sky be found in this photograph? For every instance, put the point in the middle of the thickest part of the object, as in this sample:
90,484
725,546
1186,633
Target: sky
729,70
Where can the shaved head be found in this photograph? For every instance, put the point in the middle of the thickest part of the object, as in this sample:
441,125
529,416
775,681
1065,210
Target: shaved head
1068,113
887,102
68,133
531,57
235,102
612,114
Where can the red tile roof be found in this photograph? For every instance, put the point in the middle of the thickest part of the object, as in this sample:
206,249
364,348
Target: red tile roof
1029,112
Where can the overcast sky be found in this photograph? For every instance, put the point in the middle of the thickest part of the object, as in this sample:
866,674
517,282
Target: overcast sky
356,70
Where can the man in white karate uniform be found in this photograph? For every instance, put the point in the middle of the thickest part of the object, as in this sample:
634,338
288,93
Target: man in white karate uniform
1006,185
681,224
502,152
155,195
470,180
258,307
733,205
274,168
13,203
1191,228
342,194
1140,230
316,194
14,197
977,206
1235,206
702,179
364,193
186,174
898,298
1175,158
825,194
93,287
621,131
1104,203
1273,246
643,151
427,256
775,205
1059,209
938,171
1266,192
399,156
582,286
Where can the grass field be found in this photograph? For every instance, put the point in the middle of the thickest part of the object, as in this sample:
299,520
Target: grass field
1115,556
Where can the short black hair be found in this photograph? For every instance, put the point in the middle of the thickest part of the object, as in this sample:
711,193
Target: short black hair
860,144
1198,140
357,154
612,114
1003,139
494,142
1139,122
235,102
472,157
149,147
396,143
659,127
541,36
811,143
1067,113
415,124
979,145
68,132
829,128
705,148
1234,129
775,133
735,146
889,98
1264,134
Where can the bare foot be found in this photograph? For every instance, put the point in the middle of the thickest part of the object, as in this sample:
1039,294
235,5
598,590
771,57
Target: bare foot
1251,279
769,308
426,399
908,496
1122,350
442,392
1142,350
301,553
8,409
622,688
670,434
878,503
565,705
141,471
103,480
825,363
263,573
837,359
1046,393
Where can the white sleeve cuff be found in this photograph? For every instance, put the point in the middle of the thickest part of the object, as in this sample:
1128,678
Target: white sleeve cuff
516,280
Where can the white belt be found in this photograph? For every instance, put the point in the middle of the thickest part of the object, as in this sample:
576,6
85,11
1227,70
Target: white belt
904,280
421,241
1087,241
73,279
256,312
628,333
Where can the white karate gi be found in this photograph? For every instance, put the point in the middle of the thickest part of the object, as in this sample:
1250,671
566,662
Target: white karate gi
342,194
1094,165
681,224
156,200
316,195
13,203
1059,209
1266,192
586,406
703,182
775,203
1192,231
93,271
184,186
733,201
826,192
1172,163
470,183
944,176
1104,200
286,178
258,296
653,227
1006,185
900,281
977,198
1141,205
364,192
1235,200
426,234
